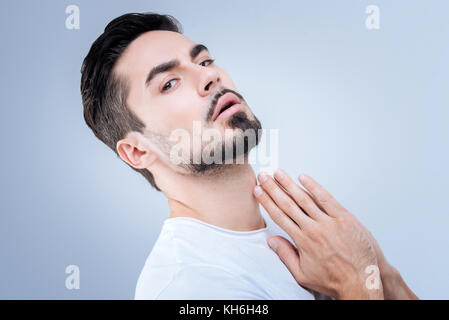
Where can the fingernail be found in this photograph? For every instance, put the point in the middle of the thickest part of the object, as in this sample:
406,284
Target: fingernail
273,244
279,173
257,191
303,177
263,177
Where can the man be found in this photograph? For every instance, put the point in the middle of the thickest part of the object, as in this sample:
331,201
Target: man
141,81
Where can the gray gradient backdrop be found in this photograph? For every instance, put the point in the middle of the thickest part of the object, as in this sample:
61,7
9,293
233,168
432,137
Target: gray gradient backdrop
364,112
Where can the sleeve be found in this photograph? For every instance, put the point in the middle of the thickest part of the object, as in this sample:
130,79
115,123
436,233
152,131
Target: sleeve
208,283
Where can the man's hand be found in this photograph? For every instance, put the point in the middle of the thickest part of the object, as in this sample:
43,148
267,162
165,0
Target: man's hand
333,249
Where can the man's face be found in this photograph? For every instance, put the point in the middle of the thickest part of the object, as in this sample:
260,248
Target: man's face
173,83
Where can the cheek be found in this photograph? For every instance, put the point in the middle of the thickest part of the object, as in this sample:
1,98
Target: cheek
181,108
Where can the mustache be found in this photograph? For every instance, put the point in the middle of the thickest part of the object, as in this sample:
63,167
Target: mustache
217,96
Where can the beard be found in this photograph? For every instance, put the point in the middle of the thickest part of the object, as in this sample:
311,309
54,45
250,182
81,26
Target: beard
232,153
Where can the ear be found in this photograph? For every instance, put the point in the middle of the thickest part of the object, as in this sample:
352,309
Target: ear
134,151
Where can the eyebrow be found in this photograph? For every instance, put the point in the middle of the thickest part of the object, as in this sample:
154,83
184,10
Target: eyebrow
169,65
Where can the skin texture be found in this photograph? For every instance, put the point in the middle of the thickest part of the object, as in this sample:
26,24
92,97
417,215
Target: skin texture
193,85
333,249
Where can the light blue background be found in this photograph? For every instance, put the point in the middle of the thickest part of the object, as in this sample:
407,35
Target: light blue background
364,112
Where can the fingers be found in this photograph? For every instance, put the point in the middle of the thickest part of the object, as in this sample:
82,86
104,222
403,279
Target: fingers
298,194
279,217
283,200
321,196
288,255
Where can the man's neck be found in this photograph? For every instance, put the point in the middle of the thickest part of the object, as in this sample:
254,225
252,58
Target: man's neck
225,200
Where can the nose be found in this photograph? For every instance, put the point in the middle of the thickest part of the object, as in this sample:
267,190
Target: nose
209,80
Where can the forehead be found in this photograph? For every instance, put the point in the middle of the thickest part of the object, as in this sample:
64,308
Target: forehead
150,49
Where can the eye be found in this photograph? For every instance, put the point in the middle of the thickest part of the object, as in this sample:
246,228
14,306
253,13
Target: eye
168,85
209,61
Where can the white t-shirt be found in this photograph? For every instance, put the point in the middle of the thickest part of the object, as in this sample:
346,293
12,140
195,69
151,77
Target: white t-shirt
194,260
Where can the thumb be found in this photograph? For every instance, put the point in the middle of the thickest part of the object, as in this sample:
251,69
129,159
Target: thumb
288,255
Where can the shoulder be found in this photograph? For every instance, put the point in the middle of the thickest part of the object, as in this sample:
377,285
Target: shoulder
196,282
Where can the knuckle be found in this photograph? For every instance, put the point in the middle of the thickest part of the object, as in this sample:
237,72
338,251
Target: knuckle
314,231
342,221
300,200
328,222
289,205
276,214
322,198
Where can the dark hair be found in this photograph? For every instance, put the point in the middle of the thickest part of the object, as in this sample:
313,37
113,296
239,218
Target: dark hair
104,93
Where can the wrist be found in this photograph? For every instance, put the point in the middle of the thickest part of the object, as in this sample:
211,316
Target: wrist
360,292
394,286
390,277
358,289
387,271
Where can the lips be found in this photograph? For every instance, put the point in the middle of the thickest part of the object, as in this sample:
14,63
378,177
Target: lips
225,102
